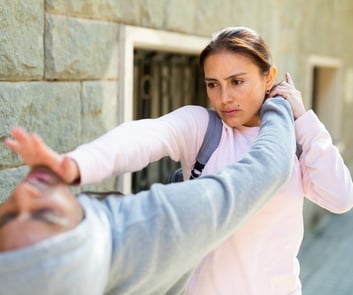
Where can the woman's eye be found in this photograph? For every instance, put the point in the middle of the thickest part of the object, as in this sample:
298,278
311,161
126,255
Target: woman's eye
211,85
237,82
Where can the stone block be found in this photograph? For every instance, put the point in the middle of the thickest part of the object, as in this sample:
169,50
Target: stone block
110,10
153,14
21,40
99,108
178,18
79,49
211,17
53,110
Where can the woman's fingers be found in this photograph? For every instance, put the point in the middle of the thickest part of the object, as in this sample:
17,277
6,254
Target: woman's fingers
19,140
33,151
12,144
30,147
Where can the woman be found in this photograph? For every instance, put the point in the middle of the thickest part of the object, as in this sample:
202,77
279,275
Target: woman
261,256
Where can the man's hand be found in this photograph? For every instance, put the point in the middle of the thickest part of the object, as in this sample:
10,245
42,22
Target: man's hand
34,152
287,90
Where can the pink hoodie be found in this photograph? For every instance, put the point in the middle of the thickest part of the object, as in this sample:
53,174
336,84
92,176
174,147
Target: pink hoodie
261,256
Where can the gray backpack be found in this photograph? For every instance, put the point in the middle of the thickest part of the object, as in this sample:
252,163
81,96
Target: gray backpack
209,144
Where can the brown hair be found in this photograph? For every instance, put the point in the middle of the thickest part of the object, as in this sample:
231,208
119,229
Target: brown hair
239,40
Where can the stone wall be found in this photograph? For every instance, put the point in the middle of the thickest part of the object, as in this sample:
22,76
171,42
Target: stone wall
59,59
59,78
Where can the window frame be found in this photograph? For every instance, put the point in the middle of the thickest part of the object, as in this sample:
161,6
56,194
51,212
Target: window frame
132,37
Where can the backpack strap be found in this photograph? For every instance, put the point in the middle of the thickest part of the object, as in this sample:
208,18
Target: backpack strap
209,144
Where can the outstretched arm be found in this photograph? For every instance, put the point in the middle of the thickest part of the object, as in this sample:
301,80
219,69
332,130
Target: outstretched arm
126,148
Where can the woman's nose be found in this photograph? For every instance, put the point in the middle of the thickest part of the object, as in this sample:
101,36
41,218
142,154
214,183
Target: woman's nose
226,95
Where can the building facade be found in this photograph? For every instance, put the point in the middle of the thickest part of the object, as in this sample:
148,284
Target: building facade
67,66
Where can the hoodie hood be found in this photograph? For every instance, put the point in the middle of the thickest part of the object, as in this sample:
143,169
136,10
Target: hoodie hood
74,262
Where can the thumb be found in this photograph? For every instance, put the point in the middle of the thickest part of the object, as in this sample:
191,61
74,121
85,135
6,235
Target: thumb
69,171
289,79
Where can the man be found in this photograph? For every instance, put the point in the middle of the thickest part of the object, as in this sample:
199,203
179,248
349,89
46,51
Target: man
148,243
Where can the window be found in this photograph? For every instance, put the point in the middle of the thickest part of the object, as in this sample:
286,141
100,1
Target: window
160,73
324,93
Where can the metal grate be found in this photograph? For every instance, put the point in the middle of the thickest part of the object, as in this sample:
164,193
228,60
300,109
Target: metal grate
163,81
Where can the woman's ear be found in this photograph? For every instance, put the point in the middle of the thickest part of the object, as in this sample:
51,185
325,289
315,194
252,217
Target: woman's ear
270,77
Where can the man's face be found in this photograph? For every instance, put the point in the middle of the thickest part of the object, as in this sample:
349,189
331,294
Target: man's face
39,207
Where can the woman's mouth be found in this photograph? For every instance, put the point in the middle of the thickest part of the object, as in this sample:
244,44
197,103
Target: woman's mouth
230,112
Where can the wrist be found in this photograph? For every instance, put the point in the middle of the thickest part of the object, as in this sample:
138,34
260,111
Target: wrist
76,175
70,171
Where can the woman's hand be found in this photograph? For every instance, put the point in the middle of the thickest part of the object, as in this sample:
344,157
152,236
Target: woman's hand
291,94
34,152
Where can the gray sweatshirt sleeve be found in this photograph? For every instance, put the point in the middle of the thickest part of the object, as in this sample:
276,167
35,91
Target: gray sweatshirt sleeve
160,235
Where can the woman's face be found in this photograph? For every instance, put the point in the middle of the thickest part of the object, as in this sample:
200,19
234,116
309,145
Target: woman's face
236,87
39,207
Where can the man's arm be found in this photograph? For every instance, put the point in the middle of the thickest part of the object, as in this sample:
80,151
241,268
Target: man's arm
163,233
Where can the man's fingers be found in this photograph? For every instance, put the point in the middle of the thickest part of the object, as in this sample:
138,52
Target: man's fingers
289,79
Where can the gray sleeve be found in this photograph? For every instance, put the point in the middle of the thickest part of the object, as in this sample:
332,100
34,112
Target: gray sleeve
161,234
